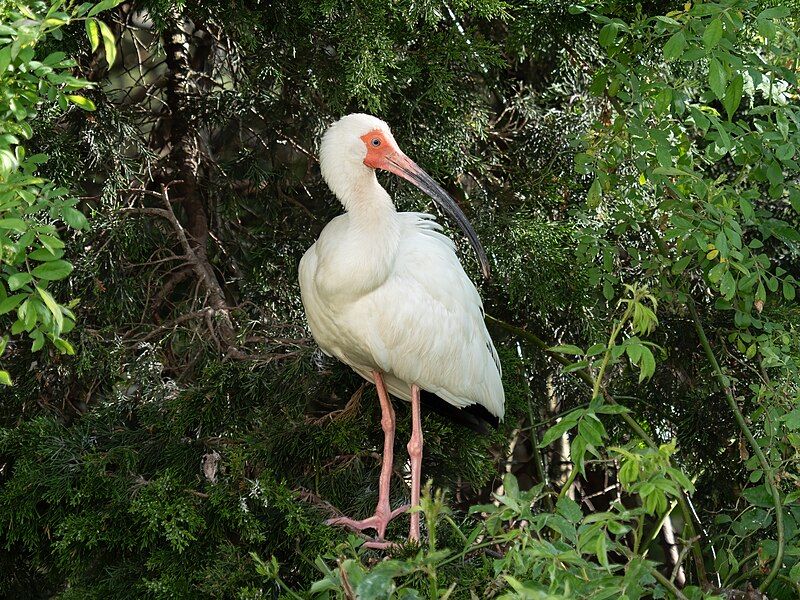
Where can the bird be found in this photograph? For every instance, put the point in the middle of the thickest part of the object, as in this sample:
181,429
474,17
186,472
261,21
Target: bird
385,293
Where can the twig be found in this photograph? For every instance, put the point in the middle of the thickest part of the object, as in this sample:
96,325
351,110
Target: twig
769,474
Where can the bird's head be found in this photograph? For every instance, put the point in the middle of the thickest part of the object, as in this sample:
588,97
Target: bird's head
358,144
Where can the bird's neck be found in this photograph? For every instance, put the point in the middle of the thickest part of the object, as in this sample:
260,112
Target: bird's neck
366,201
364,258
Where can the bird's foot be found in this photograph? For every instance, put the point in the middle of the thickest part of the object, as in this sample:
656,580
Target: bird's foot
378,522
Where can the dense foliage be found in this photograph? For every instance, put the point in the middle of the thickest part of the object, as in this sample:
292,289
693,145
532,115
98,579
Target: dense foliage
169,430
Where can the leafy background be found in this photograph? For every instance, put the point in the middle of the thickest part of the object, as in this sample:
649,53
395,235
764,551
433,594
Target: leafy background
172,431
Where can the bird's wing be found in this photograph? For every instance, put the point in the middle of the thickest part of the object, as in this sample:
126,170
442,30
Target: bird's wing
425,324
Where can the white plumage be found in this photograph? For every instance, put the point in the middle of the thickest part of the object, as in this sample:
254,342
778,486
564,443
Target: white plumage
384,290
385,293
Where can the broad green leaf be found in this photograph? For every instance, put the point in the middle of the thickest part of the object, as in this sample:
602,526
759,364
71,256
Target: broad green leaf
776,12
38,341
109,43
674,46
679,266
93,33
569,509
592,431
566,423
647,364
52,305
733,95
717,79
74,218
5,59
567,349
713,34
758,496
608,34
600,550
104,5
595,194
727,286
44,255
10,303
788,290
5,378
17,280
64,346
53,271
81,102
13,223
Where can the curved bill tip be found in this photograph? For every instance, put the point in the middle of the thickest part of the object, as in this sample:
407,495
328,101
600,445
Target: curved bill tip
401,165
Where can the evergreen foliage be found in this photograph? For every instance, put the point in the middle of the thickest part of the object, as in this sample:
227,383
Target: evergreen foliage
173,432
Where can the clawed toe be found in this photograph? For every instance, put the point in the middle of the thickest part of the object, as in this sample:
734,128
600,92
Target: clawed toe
378,522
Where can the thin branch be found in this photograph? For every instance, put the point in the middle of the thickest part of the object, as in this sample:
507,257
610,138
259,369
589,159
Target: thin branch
769,474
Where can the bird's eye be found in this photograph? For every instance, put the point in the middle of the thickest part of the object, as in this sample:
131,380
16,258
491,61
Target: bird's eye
376,142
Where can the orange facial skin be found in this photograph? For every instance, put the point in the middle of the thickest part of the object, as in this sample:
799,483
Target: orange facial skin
378,149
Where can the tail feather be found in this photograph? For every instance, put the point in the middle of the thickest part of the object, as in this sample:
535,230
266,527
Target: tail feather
475,416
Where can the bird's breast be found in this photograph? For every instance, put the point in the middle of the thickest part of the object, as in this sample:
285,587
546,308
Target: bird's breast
353,261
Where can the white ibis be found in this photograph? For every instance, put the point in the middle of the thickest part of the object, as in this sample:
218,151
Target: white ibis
385,293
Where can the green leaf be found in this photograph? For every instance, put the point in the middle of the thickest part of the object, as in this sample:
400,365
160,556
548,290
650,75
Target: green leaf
50,242
64,346
566,423
569,509
93,33
5,59
608,290
647,364
794,572
53,271
109,43
17,280
788,290
11,303
594,195
595,349
44,255
767,28
792,419
54,308
758,496
5,378
727,285
592,431
674,46
81,102
733,95
608,34
713,34
747,209
377,584
634,351
717,79
679,266
104,5
38,341
74,218
777,12
13,223
681,479
600,550
567,349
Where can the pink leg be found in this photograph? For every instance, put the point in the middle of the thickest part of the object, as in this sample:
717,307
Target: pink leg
383,511
415,454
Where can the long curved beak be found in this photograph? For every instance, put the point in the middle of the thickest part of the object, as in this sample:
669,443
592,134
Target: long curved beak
399,164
